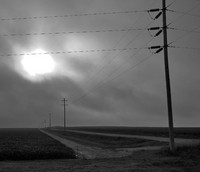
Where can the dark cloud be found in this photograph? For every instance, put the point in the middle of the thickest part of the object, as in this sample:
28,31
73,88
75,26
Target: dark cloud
97,93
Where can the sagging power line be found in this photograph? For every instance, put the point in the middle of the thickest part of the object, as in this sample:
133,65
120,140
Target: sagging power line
94,75
70,52
72,15
102,67
71,32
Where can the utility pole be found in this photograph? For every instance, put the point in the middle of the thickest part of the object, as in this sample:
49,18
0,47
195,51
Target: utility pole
64,105
50,120
45,123
167,77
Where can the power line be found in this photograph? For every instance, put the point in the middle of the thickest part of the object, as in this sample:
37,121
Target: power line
71,32
122,63
102,82
169,5
72,15
185,13
185,30
185,47
181,37
114,57
117,56
120,74
70,52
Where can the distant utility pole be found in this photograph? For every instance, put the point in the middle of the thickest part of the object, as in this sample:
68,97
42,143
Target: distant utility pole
167,77
64,105
50,120
45,123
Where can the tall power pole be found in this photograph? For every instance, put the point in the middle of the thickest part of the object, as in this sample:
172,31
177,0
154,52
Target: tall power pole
64,105
50,120
167,77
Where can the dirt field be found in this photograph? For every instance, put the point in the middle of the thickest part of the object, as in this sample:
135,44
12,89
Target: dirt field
141,161
30,144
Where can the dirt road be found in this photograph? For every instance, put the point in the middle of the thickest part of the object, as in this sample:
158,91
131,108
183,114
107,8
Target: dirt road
92,152
178,141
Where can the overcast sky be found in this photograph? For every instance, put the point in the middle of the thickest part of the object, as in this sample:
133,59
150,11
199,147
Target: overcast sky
122,87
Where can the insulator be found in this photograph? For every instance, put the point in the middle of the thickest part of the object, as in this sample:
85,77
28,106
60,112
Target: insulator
158,15
155,47
154,28
154,10
158,33
159,50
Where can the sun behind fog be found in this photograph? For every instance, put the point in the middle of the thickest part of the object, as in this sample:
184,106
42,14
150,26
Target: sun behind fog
38,64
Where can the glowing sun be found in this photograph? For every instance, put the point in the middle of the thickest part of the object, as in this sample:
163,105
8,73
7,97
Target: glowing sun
38,64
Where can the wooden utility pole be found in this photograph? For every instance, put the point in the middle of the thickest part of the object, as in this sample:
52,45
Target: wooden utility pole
45,124
50,120
167,77
64,105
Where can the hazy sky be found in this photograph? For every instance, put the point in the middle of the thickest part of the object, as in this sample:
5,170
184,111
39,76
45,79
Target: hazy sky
122,87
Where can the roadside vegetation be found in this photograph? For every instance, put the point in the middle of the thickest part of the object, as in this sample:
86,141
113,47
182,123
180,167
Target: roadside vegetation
30,144
189,155
184,157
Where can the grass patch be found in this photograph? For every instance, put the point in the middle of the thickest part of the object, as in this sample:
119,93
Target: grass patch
184,156
183,151
30,144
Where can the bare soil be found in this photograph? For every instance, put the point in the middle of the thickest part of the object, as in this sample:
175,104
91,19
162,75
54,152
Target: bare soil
30,144
141,161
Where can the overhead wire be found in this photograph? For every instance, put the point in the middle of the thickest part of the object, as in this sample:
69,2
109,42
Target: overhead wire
185,47
71,32
185,13
108,76
181,37
185,30
121,73
121,65
114,57
169,5
117,55
178,18
118,52
69,52
72,15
